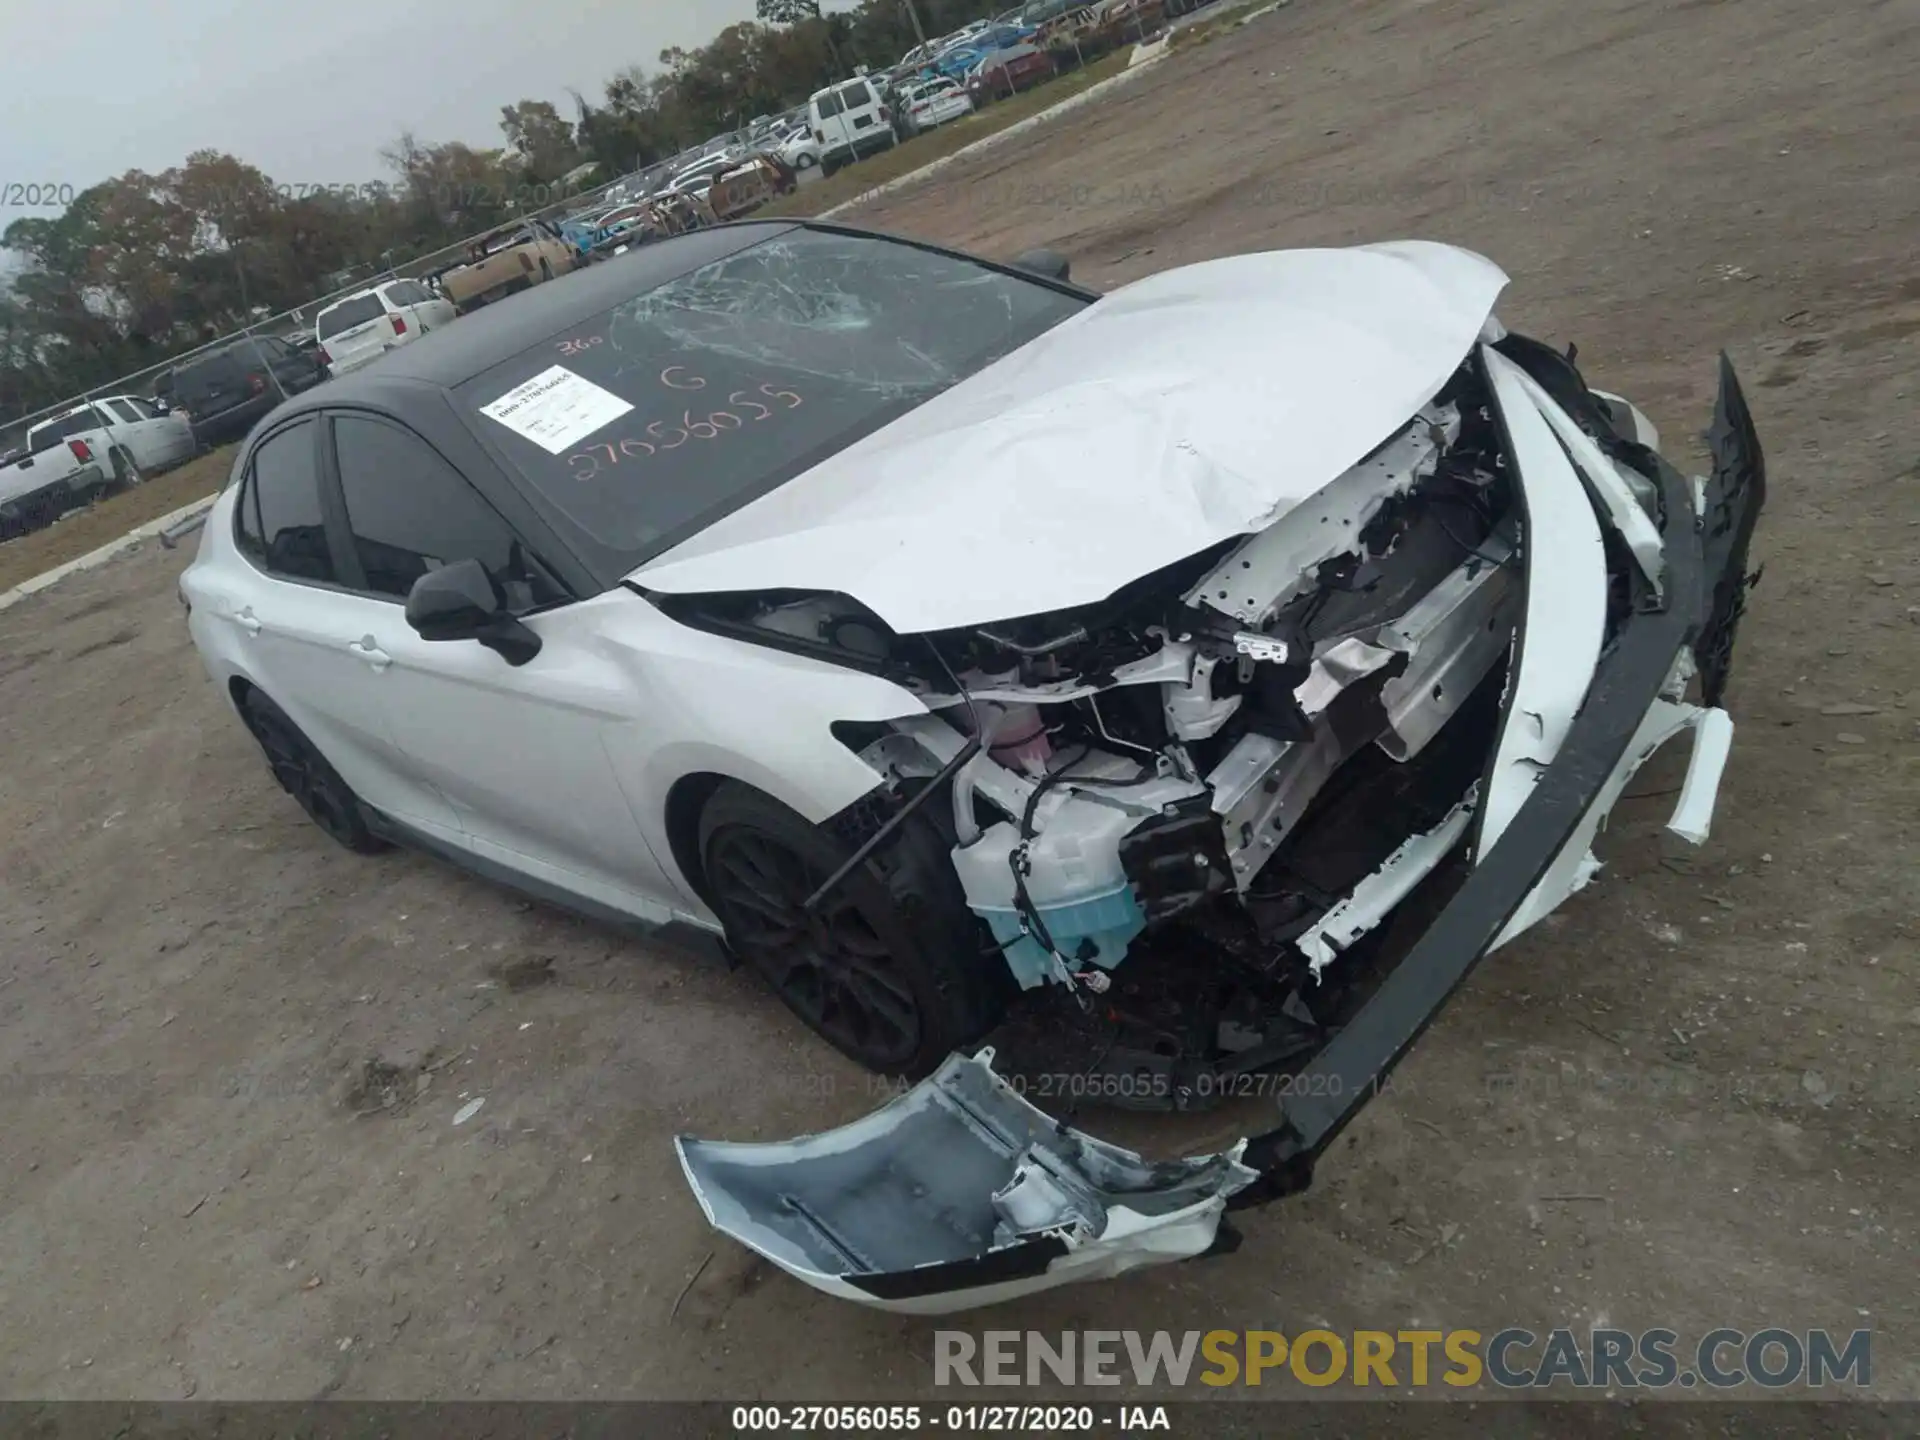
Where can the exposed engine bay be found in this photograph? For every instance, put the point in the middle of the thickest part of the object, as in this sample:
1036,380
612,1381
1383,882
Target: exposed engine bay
1183,815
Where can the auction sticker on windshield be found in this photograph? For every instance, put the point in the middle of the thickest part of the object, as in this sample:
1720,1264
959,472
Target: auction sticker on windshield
556,408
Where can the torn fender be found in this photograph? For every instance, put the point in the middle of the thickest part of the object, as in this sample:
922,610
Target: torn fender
958,1194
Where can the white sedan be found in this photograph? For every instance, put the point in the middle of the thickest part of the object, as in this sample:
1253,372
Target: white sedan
935,102
1201,677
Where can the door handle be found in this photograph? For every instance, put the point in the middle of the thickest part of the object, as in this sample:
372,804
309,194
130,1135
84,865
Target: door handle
248,621
368,650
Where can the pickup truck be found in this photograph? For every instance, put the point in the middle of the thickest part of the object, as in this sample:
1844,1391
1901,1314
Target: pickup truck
87,451
509,260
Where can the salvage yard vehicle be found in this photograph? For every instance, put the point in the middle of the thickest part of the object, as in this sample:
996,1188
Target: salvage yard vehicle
225,391
929,104
746,186
510,260
1006,72
850,121
1202,677
358,329
88,451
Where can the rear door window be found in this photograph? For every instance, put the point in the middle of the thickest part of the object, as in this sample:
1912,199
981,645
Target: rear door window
287,523
349,313
856,95
829,104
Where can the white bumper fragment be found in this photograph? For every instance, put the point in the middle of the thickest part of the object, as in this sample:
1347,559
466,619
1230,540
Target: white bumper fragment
958,1194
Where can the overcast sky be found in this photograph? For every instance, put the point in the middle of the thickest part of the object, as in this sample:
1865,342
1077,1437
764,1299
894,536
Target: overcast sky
308,90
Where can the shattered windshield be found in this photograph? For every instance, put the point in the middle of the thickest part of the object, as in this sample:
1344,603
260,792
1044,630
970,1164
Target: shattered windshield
649,422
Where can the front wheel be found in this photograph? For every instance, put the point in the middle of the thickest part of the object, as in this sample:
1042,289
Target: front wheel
888,970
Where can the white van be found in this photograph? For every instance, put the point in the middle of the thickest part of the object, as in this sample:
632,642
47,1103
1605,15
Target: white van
850,122
360,328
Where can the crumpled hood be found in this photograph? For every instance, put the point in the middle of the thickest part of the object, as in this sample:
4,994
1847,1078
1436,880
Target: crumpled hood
1176,412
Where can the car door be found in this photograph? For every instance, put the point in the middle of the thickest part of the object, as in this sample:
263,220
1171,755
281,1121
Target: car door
303,631
518,752
156,441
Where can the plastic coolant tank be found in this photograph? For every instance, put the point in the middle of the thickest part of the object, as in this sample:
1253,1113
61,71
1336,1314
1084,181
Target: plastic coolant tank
1077,885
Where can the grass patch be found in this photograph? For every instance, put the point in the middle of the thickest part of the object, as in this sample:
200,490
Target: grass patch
911,154
107,520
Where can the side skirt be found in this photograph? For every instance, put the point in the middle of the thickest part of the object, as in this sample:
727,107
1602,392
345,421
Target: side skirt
682,934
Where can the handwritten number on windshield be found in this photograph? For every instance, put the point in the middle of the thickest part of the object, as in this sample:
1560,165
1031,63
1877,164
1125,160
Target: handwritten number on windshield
595,459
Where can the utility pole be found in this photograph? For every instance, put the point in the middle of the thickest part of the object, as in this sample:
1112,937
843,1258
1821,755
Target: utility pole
913,14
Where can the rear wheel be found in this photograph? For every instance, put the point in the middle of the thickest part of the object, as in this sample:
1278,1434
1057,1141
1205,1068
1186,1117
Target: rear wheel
546,270
303,772
888,971
126,474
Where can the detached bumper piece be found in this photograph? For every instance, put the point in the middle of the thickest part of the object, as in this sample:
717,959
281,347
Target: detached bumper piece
958,1194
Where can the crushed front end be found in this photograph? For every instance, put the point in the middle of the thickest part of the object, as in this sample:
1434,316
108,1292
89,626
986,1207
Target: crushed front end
1263,810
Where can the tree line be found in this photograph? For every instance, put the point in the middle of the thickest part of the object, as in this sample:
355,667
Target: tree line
143,266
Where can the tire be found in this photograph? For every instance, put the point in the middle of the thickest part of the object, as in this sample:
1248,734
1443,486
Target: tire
546,270
303,772
126,474
828,167
891,973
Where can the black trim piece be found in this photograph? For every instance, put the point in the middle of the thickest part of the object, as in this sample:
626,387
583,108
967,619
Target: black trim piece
1011,1262
683,934
686,610
1739,482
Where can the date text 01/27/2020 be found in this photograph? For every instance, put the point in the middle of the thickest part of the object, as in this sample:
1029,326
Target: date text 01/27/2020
957,1419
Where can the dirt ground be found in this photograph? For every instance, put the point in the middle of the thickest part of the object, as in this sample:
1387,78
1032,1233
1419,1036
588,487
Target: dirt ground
231,1054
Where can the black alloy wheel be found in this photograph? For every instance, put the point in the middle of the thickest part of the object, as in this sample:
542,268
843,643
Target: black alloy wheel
831,967
303,772
888,968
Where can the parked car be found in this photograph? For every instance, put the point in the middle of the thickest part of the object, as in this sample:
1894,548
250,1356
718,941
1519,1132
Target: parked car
358,329
506,262
797,147
225,391
1209,673
1130,20
697,177
850,121
748,185
929,104
1008,71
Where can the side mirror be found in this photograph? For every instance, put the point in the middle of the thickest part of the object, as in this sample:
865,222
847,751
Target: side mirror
462,601
1049,264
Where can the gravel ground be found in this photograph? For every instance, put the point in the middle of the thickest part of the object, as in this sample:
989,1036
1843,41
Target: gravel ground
231,1055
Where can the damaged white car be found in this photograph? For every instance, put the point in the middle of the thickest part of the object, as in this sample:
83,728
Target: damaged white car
1177,686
